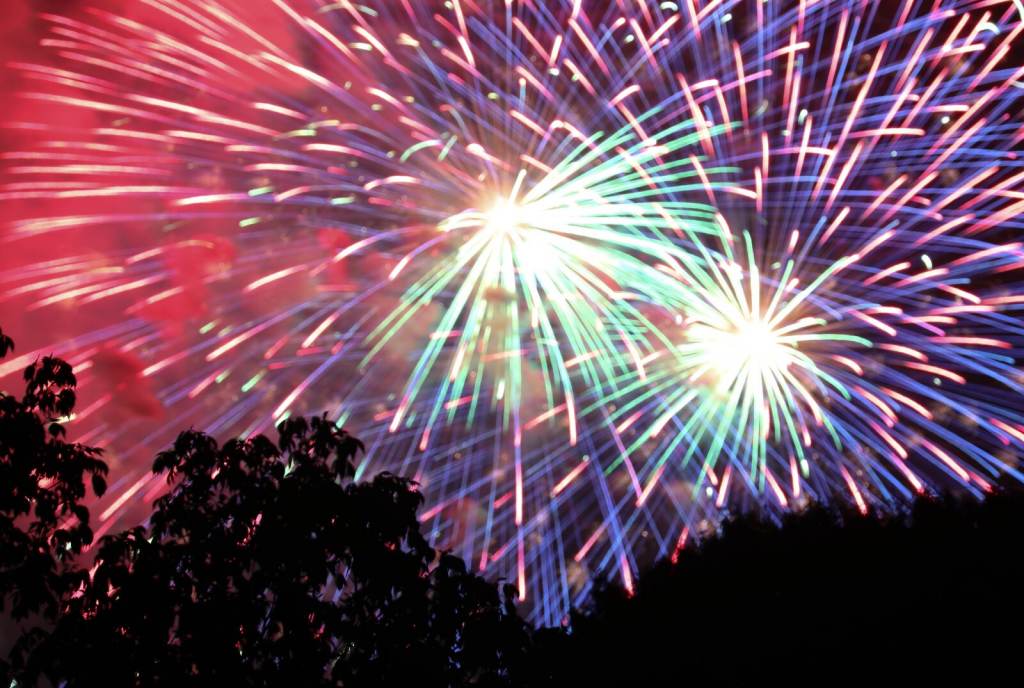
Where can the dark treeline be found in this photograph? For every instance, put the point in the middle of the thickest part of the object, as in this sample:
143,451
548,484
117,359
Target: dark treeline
267,565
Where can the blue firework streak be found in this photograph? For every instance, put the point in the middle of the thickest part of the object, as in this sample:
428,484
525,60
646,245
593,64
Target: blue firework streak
856,335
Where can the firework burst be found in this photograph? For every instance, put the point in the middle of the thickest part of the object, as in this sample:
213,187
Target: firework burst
441,223
594,272
856,323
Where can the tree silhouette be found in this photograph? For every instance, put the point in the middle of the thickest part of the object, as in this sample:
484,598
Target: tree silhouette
43,481
824,595
266,565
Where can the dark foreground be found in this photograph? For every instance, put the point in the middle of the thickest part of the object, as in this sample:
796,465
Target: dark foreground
266,565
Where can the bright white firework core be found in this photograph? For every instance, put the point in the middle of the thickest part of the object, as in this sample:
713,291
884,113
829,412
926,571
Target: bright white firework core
750,348
505,217
756,343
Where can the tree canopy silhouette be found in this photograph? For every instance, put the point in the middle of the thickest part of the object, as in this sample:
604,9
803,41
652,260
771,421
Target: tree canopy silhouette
266,564
824,595
43,480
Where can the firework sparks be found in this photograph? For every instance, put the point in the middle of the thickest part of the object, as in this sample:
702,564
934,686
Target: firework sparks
595,273
857,321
